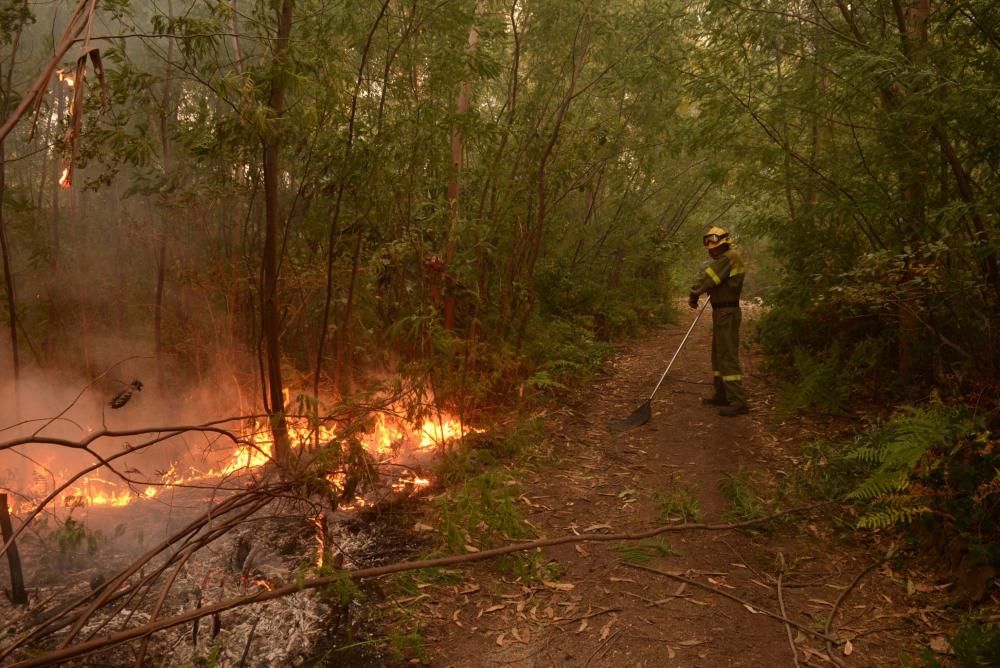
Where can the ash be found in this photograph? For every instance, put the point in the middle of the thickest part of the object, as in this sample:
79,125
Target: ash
277,546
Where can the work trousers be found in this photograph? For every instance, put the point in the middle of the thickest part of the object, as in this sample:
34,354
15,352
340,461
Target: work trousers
728,378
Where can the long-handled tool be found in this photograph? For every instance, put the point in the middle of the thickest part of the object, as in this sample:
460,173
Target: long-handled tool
641,415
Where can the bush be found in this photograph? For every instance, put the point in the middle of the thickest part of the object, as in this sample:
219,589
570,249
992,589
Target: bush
977,643
562,353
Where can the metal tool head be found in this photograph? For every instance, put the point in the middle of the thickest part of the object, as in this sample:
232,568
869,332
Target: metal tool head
639,417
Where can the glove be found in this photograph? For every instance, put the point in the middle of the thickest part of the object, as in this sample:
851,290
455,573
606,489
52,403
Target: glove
693,300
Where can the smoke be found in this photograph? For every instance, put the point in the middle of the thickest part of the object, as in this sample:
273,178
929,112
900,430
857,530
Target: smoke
59,405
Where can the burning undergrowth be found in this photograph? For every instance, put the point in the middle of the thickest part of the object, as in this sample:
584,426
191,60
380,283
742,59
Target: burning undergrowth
141,524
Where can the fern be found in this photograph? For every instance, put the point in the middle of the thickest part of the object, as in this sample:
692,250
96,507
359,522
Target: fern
865,454
880,485
889,517
899,453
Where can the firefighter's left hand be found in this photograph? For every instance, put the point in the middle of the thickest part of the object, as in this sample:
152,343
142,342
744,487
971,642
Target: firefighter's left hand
693,300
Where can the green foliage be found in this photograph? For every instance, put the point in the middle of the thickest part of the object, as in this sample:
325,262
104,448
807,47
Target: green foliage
213,659
563,352
342,590
70,545
825,474
12,16
744,503
678,505
501,445
826,381
896,448
529,567
408,583
976,642
643,552
911,459
407,646
823,382
926,659
482,510
74,539
873,244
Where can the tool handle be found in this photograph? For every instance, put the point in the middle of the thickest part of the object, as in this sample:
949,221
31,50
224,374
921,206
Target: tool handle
690,329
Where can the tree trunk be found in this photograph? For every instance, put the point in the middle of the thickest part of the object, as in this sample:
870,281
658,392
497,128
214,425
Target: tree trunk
536,231
55,313
455,184
335,218
270,309
8,271
161,254
342,341
912,23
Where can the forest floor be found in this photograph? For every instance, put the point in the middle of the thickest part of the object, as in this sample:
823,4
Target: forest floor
601,610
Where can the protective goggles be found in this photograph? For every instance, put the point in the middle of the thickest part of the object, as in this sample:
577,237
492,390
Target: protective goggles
713,239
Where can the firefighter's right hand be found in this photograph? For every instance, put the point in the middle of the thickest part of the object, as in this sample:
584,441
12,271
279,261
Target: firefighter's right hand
693,300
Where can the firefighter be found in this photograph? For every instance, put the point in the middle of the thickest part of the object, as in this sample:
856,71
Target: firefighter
722,279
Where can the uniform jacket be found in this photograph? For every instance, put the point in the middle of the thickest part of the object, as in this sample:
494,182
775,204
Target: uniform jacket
722,278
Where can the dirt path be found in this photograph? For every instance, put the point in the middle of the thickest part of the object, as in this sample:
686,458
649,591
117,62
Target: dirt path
603,612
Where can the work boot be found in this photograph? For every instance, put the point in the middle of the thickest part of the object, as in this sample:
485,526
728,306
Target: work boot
718,397
734,409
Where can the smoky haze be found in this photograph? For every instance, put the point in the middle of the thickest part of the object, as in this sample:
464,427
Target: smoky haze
71,407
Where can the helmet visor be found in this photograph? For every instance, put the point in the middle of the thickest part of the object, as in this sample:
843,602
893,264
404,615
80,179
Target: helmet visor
714,239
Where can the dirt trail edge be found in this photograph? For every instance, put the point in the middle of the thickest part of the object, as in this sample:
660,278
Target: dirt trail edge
605,611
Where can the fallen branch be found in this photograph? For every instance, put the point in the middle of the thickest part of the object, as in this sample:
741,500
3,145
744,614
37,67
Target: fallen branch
588,616
732,597
784,613
99,644
843,596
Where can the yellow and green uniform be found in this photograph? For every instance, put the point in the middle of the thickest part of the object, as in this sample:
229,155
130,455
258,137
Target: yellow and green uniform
722,279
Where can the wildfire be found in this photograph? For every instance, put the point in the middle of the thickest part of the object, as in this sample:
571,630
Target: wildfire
388,436
64,181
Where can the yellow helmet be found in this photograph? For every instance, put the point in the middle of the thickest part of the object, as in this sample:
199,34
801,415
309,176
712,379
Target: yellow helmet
715,237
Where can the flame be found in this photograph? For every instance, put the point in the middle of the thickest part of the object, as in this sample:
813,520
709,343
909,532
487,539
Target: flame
388,436
64,181
435,433
66,78
411,482
95,491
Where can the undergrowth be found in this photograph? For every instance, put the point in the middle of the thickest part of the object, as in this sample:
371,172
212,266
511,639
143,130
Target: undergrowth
976,644
826,381
934,464
937,464
481,452
678,505
482,510
529,567
644,552
744,503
